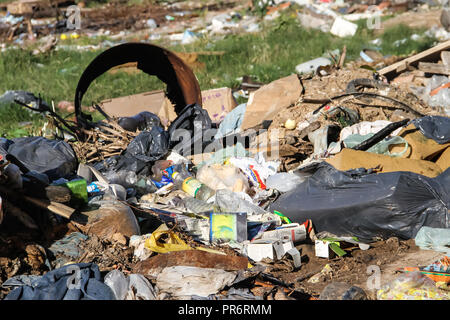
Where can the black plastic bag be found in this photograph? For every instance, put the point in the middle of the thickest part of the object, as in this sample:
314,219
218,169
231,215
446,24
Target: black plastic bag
154,144
55,158
194,119
143,121
369,206
434,127
4,145
147,147
25,97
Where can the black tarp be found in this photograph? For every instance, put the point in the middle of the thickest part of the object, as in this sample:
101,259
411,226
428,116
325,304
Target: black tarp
369,206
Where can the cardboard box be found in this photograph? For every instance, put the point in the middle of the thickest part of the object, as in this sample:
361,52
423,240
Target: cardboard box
218,102
273,249
259,250
271,99
153,101
323,250
328,248
294,232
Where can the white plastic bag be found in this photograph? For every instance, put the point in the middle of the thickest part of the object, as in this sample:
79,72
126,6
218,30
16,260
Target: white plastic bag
256,169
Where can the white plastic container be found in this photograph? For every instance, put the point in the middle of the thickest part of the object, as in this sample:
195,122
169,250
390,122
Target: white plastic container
312,65
343,28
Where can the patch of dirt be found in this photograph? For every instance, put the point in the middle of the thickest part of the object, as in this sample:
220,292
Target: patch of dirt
414,20
22,250
388,255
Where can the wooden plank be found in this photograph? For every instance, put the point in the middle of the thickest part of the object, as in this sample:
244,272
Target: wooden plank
435,68
402,67
391,70
22,7
445,57
55,207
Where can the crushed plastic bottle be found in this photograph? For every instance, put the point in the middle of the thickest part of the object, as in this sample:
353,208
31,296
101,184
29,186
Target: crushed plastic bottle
197,206
127,179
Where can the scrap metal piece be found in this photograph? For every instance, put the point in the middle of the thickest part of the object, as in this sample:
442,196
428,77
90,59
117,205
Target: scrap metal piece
182,85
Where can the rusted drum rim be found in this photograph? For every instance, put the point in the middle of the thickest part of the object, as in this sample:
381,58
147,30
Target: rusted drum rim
182,85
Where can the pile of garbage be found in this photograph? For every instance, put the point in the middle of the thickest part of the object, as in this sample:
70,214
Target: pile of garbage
236,203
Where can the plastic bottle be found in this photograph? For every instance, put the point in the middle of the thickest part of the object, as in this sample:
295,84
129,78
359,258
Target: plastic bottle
184,181
127,179
197,206
312,65
145,185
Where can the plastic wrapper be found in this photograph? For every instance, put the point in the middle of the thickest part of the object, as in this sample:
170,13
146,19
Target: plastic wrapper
174,243
412,286
366,127
218,177
369,206
197,206
256,169
25,97
438,271
232,122
118,283
381,147
439,99
436,239
181,281
111,218
220,156
133,287
434,127
138,243
284,181
319,139
229,201
140,288
194,119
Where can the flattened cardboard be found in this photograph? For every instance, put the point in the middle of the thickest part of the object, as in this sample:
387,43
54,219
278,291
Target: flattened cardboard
218,102
266,102
349,159
153,101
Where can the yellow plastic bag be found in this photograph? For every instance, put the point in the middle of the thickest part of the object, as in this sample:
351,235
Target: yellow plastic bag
174,243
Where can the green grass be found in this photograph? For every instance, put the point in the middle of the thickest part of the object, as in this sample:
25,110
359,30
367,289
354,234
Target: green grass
19,122
266,56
